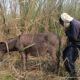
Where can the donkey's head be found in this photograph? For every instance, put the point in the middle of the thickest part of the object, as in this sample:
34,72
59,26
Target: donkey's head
3,49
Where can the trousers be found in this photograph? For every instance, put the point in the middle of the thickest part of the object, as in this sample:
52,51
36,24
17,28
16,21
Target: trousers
70,55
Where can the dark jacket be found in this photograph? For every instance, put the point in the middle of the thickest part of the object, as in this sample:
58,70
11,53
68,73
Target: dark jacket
73,32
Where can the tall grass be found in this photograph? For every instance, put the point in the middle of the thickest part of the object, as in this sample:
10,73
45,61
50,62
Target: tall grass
34,16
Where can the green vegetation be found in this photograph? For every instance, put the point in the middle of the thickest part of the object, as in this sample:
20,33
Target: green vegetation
6,77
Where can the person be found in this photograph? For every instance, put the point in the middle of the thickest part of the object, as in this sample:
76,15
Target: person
70,53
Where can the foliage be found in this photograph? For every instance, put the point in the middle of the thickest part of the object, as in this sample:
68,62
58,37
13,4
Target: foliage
6,77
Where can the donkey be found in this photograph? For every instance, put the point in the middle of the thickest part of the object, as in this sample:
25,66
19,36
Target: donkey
43,43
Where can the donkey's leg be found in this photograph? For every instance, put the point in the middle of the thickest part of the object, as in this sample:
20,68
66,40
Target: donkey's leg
26,59
52,51
23,61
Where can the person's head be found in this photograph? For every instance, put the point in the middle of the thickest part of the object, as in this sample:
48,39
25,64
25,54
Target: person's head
65,19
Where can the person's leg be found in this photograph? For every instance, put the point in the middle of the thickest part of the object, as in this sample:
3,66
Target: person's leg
69,56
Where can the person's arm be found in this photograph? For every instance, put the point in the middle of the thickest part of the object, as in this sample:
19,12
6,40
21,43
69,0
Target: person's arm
73,33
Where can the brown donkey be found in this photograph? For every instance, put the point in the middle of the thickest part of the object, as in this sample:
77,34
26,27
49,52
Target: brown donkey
43,43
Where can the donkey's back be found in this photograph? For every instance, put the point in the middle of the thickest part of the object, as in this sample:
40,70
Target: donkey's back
44,42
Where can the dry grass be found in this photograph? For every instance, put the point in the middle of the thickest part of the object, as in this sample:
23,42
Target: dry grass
35,16
36,69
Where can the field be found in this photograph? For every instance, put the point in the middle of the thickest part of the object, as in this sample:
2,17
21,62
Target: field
38,68
34,16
